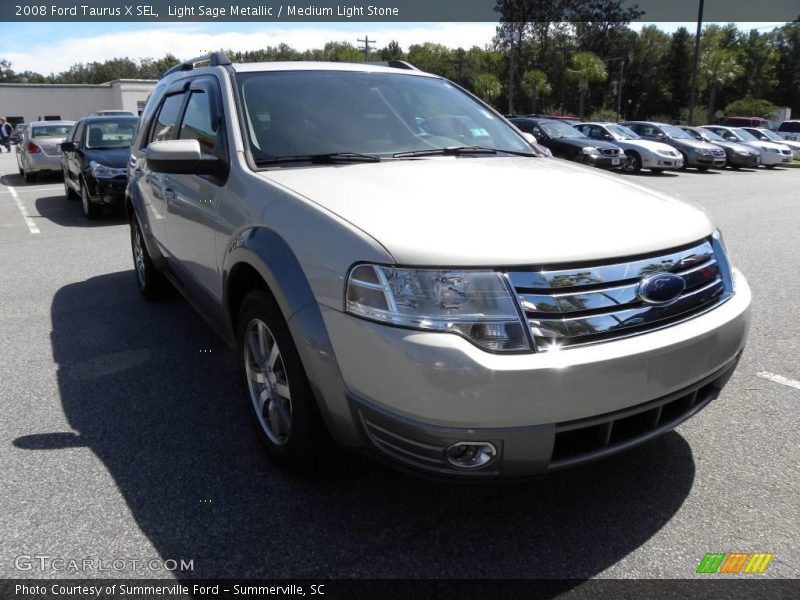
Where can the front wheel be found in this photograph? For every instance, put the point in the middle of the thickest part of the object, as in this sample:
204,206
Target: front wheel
90,210
281,402
632,164
68,191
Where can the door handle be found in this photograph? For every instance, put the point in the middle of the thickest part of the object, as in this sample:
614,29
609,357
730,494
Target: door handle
169,194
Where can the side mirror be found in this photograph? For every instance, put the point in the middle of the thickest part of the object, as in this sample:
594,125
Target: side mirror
67,146
731,138
181,157
661,136
607,136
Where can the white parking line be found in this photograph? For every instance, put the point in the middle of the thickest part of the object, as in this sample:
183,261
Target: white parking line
28,221
38,188
779,379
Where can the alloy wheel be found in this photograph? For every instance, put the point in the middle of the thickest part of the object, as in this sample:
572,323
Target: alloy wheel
268,382
138,256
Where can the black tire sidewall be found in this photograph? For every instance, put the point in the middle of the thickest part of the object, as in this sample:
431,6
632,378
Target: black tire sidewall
302,449
155,286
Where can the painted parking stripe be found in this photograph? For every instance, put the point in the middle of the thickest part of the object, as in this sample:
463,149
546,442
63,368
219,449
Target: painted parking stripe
28,221
779,379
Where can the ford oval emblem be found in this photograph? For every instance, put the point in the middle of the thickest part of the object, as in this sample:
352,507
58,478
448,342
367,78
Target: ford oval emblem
661,288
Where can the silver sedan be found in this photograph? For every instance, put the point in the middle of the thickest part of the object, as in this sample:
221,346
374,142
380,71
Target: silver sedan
40,151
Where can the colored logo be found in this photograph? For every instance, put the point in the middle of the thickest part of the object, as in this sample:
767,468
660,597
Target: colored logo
661,288
737,562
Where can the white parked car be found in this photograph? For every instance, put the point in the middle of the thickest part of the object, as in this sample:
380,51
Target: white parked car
772,154
790,130
767,135
640,153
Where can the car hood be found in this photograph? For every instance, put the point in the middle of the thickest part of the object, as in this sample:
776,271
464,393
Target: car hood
582,142
497,211
735,146
696,144
767,145
116,157
647,145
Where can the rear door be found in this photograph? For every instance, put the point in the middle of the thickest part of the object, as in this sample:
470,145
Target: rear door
72,160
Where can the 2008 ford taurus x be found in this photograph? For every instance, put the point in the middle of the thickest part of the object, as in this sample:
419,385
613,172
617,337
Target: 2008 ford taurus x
395,263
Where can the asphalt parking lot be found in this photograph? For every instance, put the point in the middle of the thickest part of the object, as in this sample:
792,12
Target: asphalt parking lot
122,435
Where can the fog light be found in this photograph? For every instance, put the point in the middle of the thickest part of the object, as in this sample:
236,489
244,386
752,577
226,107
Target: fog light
107,198
470,455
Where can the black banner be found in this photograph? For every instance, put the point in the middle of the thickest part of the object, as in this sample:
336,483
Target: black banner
369,11
710,587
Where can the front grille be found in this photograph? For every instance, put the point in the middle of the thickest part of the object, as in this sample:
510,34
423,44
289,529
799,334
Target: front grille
610,151
718,153
588,439
593,303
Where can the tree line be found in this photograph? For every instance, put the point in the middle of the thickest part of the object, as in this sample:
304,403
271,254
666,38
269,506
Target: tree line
560,67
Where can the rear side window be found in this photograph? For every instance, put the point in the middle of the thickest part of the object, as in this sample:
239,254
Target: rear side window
166,124
198,123
790,126
77,133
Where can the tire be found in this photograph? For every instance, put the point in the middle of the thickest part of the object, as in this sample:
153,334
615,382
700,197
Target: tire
29,177
151,282
770,166
657,171
90,211
685,160
276,388
68,191
702,169
632,164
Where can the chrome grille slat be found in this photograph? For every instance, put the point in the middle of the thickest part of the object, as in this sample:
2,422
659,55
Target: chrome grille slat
597,303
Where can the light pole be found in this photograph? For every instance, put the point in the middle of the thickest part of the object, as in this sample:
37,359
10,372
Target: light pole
693,93
511,35
621,60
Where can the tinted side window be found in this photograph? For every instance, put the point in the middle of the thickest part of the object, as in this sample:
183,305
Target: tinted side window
790,126
538,133
77,133
166,124
198,123
524,126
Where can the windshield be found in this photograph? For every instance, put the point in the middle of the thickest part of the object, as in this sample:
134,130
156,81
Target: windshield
675,132
110,134
307,113
771,135
710,135
743,135
622,133
557,129
53,131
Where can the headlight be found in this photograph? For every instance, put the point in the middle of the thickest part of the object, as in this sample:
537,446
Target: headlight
742,153
593,152
104,172
723,263
665,153
477,305
771,150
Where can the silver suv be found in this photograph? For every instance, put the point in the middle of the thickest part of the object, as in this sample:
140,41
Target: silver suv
396,266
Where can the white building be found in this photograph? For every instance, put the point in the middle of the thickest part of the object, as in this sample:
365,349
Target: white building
25,102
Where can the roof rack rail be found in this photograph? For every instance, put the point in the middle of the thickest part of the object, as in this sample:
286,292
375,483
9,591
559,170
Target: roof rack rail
401,64
214,59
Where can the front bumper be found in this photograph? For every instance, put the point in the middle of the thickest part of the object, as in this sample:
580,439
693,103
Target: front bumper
775,158
711,162
605,162
736,160
107,191
412,394
662,162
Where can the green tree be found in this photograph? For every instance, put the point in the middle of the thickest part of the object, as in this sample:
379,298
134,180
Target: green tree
487,86
752,107
535,84
679,70
392,51
585,68
718,67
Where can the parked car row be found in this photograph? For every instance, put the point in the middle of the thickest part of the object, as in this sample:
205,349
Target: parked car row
635,145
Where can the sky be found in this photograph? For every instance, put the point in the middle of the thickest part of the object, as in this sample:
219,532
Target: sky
51,47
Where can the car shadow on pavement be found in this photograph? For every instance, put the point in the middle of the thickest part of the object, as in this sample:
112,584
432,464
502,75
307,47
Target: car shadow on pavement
151,390
68,213
16,180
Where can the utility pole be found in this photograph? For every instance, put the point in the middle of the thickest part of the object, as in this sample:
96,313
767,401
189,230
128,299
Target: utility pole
621,60
366,41
511,36
693,94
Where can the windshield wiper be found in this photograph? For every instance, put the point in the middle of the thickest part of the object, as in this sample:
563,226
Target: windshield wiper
326,158
458,151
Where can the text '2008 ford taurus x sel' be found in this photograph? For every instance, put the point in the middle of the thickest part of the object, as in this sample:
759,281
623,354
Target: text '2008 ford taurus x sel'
394,263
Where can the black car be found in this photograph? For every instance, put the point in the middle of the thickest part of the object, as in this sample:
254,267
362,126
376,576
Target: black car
95,160
738,155
564,141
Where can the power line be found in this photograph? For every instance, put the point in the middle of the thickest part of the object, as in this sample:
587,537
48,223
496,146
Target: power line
367,48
